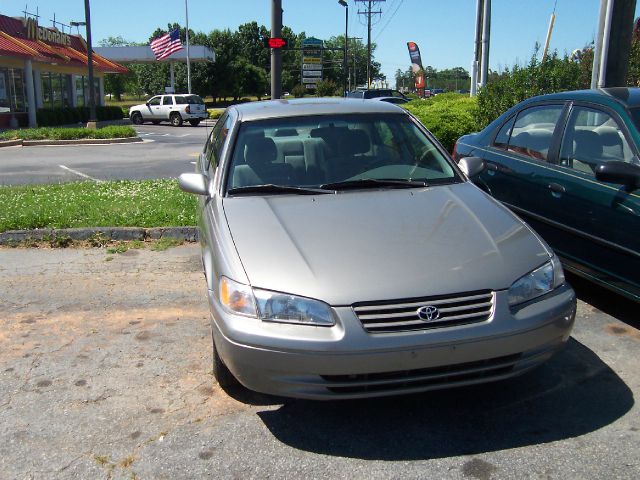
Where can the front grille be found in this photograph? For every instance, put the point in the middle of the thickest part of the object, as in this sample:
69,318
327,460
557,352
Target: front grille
402,315
423,378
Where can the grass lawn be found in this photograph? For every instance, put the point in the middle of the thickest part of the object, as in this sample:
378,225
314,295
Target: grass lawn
59,133
123,203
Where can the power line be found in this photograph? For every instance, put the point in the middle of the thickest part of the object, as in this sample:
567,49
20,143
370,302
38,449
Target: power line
389,21
369,13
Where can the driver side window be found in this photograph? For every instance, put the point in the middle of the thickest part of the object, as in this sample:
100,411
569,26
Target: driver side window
154,101
592,137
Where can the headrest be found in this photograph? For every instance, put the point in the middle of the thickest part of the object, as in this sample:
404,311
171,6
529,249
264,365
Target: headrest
286,132
587,145
356,141
260,151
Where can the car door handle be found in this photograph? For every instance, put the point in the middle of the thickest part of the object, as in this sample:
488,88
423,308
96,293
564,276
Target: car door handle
556,188
491,166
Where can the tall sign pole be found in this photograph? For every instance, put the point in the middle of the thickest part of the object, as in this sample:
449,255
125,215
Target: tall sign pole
276,53
186,12
486,33
92,90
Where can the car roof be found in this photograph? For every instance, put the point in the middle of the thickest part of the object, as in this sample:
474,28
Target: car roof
628,97
301,107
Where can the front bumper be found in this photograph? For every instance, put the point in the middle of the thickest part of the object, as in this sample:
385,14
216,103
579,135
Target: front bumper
344,361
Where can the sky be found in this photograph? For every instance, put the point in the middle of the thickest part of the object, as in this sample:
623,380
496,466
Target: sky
443,29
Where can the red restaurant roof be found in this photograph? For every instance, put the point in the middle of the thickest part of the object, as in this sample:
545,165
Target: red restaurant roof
14,43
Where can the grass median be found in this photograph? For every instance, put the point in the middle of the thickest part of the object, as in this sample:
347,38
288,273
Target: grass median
61,133
122,203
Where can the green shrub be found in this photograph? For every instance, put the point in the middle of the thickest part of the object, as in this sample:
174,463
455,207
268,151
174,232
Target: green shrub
326,88
448,117
50,133
298,91
215,113
50,117
537,78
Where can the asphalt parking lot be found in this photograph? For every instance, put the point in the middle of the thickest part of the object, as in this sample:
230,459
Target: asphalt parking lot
105,372
165,152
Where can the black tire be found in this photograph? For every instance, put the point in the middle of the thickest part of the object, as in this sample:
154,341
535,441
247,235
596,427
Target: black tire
136,118
175,119
155,122
194,123
220,371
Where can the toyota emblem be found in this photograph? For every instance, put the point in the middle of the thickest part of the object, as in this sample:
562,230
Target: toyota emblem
428,313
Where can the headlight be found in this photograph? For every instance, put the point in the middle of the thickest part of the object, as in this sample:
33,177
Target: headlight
273,306
542,280
284,308
236,297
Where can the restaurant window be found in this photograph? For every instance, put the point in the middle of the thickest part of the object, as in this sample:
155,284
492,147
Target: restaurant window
55,90
82,91
12,90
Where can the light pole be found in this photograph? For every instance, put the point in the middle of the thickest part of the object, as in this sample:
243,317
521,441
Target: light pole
92,98
346,41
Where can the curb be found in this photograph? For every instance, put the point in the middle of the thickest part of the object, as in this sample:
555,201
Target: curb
187,234
80,141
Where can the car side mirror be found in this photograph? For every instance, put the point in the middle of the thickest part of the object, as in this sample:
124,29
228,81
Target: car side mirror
194,183
621,173
471,166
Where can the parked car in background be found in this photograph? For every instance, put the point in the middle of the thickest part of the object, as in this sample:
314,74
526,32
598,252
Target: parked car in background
172,108
376,92
568,164
394,100
347,256
436,91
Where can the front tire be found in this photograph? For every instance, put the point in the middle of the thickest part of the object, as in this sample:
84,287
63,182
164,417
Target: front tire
136,118
176,119
194,123
220,371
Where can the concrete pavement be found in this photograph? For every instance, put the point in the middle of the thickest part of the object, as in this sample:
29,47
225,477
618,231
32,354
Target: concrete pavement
105,372
165,152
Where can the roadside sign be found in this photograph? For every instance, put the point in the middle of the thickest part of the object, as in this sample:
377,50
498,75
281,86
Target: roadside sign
311,72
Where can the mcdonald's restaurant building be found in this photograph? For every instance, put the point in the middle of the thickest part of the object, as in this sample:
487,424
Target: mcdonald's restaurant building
44,68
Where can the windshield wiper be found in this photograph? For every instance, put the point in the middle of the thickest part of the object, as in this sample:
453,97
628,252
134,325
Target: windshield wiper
373,182
273,188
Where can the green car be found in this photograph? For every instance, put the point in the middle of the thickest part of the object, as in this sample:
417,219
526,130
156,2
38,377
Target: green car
568,163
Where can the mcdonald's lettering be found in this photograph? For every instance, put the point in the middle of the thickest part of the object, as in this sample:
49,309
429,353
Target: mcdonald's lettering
35,32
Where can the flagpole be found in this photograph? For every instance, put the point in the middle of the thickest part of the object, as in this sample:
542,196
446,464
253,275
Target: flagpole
186,11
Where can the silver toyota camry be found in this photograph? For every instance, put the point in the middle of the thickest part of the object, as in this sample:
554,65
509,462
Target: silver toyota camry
347,256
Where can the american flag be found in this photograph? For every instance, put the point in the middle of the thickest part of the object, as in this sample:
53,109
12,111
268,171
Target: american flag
166,44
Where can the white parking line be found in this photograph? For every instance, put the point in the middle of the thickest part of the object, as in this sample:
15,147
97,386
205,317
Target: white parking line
192,163
76,172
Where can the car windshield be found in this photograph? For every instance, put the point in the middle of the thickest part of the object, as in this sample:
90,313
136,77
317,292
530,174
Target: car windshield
341,152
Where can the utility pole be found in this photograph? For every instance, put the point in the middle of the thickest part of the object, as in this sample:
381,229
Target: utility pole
476,49
92,91
486,32
613,43
369,13
186,13
276,53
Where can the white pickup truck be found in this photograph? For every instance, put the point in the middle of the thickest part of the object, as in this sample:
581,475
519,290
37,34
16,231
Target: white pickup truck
174,108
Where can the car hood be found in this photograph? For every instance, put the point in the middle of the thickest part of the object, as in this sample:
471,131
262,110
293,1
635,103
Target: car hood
381,244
